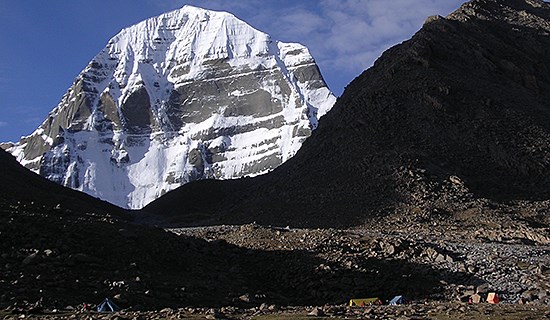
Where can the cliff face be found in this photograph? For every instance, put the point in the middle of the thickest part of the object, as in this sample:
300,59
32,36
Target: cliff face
458,113
190,94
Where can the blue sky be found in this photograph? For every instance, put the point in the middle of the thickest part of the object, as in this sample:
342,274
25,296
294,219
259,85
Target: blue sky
45,44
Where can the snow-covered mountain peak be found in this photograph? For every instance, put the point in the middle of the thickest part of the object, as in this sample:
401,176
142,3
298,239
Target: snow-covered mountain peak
192,33
190,94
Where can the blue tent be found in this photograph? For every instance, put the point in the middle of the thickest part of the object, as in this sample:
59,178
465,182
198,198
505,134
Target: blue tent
397,300
107,306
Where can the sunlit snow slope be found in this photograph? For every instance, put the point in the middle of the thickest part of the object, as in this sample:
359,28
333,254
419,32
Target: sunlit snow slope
191,94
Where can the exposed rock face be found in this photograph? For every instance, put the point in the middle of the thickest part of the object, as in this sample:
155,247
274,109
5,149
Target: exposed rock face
459,113
190,94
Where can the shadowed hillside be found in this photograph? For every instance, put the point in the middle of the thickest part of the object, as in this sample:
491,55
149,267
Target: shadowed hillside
459,112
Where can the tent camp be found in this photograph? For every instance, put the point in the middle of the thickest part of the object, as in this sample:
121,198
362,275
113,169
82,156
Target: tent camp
398,300
364,302
107,306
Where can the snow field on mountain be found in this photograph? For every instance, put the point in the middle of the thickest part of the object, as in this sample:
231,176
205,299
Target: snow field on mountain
190,94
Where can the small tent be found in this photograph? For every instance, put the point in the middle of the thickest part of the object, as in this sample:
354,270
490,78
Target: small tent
107,306
398,300
493,298
475,298
364,302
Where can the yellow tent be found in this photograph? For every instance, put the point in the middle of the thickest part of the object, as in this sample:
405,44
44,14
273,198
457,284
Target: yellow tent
364,302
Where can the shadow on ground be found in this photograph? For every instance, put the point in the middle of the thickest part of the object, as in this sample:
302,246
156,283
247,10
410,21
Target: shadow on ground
63,258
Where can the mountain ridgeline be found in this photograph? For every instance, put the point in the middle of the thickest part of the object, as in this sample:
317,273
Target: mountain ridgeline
191,94
456,118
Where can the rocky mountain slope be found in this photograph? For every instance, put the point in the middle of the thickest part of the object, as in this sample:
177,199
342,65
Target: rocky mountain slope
61,248
454,120
190,94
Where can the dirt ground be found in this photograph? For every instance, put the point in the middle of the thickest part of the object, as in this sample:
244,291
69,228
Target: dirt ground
435,311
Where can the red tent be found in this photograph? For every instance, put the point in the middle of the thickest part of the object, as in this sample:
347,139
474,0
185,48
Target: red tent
493,298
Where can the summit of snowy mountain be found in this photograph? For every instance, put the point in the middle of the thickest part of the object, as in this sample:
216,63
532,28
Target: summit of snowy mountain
190,94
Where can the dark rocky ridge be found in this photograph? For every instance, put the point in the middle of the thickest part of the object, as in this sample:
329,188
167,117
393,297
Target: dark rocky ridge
458,114
20,184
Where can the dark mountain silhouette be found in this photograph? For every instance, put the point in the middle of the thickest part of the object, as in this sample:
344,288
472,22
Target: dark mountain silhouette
457,113
21,185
